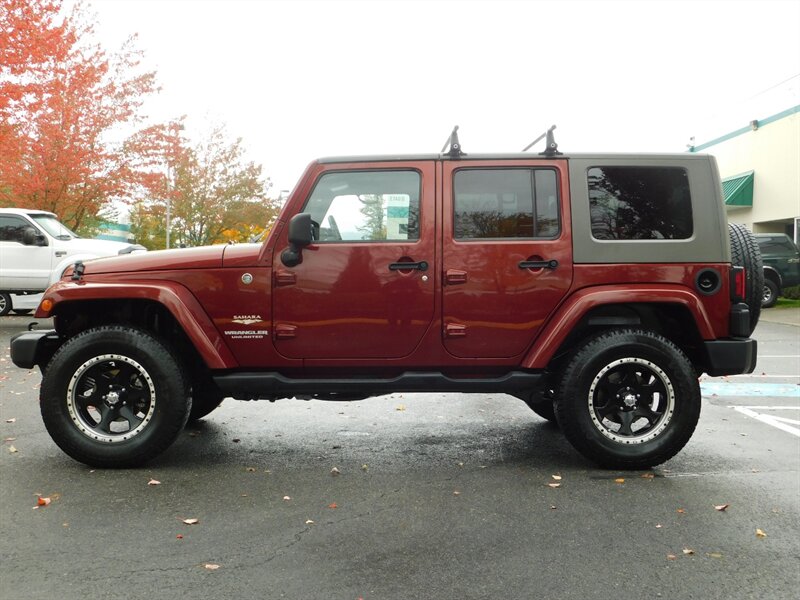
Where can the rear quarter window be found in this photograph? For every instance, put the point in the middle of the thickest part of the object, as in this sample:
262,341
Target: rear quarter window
640,203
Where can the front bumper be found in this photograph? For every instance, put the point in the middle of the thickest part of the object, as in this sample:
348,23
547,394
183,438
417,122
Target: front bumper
32,348
730,357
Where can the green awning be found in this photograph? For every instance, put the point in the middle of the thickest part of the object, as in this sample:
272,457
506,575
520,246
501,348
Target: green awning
738,190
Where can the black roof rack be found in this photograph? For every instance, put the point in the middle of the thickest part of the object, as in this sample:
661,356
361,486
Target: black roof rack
455,147
551,148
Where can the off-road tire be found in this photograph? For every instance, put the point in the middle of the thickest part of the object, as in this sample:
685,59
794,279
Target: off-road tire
771,293
587,401
746,253
5,304
119,367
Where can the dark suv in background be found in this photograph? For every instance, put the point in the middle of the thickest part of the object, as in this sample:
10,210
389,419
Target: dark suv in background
781,265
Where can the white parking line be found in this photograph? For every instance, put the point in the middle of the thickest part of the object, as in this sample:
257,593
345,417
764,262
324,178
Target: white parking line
781,423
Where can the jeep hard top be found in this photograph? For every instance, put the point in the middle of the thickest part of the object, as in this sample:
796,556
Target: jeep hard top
596,288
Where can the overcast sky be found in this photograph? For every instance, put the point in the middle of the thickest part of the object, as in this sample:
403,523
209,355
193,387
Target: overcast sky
302,79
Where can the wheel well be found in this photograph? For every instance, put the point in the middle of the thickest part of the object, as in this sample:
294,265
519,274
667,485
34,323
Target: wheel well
73,317
773,276
672,321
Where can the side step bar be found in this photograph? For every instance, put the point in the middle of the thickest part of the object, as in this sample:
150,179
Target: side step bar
269,385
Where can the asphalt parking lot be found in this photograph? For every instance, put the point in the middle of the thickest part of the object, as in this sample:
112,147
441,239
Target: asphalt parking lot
436,496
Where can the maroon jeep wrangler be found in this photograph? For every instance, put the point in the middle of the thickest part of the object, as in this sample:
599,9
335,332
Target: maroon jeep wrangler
595,288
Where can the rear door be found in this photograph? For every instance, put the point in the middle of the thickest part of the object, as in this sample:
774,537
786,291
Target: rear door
366,287
507,253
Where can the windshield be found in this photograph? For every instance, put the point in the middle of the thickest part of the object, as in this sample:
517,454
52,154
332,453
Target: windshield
54,227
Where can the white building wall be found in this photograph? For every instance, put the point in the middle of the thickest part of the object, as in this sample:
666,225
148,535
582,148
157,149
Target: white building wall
773,152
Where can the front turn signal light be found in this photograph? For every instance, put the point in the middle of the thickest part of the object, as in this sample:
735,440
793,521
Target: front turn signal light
46,305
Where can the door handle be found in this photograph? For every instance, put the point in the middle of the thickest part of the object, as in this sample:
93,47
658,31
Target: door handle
401,266
538,264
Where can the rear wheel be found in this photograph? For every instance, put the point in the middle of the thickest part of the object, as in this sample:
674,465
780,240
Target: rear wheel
114,396
629,399
5,304
746,253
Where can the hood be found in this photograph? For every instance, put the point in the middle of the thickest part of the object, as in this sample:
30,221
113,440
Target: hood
205,257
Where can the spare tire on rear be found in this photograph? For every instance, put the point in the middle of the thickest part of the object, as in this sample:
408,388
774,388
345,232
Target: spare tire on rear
746,253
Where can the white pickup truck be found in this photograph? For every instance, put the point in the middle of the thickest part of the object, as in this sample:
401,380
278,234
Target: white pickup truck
35,249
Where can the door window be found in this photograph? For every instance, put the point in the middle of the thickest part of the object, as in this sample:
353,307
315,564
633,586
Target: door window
366,206
505,203
12,228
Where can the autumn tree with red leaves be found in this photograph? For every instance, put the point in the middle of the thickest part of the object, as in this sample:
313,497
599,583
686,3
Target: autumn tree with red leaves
61,98
214,194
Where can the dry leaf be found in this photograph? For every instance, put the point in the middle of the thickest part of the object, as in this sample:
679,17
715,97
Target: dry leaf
688,551
456,493
364,467
13,420
554,485
179,536
154,482
309,522
42,501
556,477
659,526
334,471
332,505
619,480
721,507
552,507
12,449
250,469
671,557
191,521
287,498
681,511
648,475
760,533
210,566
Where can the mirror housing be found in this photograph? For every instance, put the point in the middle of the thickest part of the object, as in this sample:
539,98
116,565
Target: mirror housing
31,237
300,236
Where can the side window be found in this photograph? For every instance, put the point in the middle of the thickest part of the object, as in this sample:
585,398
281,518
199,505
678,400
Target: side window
11,228
640,203
366,206
505,203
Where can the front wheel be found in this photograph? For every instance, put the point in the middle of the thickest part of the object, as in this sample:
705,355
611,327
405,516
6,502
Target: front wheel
114,396
771,292
629,399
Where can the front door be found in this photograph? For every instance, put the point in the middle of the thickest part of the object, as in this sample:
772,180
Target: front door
366,286
507,254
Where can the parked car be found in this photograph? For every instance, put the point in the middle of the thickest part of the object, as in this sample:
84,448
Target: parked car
36,248
781,265
596,288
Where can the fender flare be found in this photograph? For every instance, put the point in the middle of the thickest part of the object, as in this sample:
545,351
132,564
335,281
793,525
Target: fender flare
775,275
569,314
177,299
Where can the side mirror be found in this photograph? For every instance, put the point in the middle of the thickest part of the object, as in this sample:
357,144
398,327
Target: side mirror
31,237
300,236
